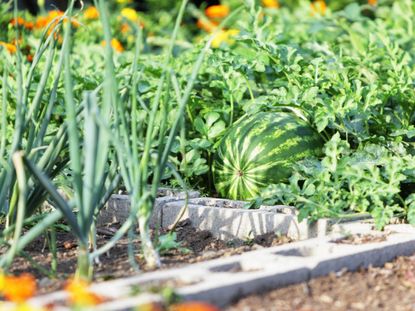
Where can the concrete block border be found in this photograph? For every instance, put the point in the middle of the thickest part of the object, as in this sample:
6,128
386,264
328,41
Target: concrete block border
118,207
225,219
221,281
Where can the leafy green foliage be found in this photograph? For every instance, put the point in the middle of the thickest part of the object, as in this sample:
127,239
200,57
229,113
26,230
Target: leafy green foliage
346,181
349,72
168,242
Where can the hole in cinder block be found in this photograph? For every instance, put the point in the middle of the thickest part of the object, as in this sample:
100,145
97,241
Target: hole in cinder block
305,251
359,238
232,267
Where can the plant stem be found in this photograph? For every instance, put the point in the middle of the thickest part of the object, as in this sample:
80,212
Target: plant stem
84,268
151,256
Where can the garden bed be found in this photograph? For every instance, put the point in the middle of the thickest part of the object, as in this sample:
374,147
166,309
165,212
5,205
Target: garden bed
195,246
390,287
297,117
224,280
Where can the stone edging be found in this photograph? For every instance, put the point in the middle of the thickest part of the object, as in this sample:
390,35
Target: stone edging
225,219
222,280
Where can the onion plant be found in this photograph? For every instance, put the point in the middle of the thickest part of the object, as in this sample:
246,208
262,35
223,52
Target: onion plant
143,149
92,172
103,136
42,141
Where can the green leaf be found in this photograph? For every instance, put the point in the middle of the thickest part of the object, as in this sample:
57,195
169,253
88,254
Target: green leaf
200,126
382,216
410,202
217,129
211,118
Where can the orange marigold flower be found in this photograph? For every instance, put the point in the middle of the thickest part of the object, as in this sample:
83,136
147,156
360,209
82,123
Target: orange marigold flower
193,306
9,47
116,45
19,21
372,2
272,4
75,23
91,13
125,28
217,11
28,25
80,295
43,21
19,288
318,7
207,25
55,13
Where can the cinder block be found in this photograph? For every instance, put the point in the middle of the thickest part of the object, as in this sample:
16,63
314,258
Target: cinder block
225,219
222,280
117,209
228,220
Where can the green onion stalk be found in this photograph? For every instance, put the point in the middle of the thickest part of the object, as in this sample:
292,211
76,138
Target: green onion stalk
93,172
34,135
129,138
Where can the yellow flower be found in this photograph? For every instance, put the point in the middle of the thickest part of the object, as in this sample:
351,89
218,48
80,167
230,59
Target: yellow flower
217,11
272,4
9,47
26,307
80,295
224,36
91,13
2,281
130,14
124,1
373,2
318,7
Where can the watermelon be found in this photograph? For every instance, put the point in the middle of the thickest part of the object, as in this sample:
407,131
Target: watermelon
260,150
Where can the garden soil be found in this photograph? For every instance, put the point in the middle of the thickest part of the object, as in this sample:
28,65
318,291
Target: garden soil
391,288
200,246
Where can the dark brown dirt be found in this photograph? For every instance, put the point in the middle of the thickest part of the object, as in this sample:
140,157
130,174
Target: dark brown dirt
391,288
200,245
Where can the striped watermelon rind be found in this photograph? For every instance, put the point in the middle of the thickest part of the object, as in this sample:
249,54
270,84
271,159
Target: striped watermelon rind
260,150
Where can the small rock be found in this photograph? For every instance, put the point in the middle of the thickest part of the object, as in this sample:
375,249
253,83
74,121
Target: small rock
209,254
326,299
45,282
358,305
341,272
339,304
69,244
